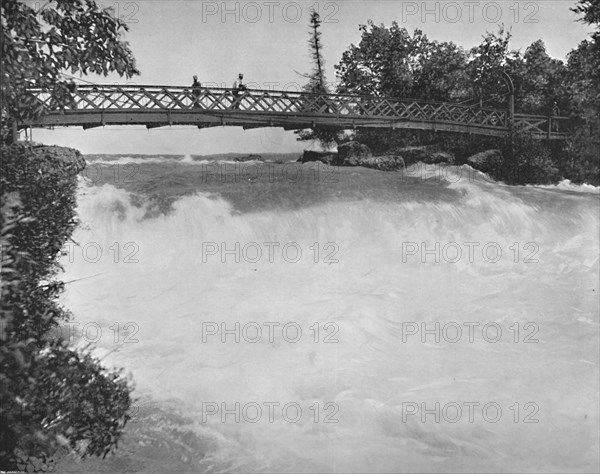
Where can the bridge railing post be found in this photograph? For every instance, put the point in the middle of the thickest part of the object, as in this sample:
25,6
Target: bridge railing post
15,132
511,98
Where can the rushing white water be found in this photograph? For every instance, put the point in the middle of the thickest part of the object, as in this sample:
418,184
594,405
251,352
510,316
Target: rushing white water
520,260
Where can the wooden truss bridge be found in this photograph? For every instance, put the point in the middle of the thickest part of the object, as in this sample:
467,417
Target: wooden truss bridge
158,106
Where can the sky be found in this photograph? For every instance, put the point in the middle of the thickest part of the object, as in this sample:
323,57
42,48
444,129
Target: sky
267,40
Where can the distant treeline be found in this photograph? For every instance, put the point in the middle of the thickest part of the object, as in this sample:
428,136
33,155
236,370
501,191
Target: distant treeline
389,61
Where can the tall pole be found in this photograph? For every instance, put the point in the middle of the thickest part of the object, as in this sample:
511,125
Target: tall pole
15,131
511,112
511,97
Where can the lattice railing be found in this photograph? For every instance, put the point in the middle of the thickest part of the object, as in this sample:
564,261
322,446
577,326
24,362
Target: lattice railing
541,124
130,98
338,108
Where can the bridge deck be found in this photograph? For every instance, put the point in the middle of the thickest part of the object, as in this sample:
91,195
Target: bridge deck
156,106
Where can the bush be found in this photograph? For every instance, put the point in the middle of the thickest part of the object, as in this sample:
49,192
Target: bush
460,145
527,160
50,395
581,157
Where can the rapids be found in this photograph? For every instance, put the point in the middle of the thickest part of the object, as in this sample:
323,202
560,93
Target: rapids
425,321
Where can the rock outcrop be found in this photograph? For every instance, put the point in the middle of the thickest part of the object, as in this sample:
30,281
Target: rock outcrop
354,154
424,154
486,161
68,156
442,157
382,163
351,153
248,158
357,154
322,156
413,154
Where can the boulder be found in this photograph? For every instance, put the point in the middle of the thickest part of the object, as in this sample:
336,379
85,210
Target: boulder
354,154
350,153
325,157
413,154
383,162
248,158
442,157
486,161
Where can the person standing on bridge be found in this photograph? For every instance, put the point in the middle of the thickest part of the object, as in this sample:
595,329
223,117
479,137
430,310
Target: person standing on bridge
238,86
196,90
554,113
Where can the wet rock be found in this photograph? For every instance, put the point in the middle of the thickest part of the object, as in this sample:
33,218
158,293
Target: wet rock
486,161
441,157
248,158
350,153
382,163
355,154
413,154
322,156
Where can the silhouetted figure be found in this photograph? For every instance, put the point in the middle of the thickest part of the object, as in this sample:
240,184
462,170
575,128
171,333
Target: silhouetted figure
238,86
196,90
72,92
555,113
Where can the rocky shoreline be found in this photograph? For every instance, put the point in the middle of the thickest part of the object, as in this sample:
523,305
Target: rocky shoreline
357,154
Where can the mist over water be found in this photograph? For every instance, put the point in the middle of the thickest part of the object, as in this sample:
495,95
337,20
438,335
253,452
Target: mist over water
369,276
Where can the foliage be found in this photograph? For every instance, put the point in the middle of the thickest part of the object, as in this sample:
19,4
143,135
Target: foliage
85,406
460,146
584,65
590,10
67,402
383,63
68,35
317,84
441,74
486,63
526,160
539,80
580,160
584,78
44,180
391,62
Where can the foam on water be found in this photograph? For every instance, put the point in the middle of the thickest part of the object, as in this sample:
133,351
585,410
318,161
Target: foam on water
566,185
185,159
124,160
375,286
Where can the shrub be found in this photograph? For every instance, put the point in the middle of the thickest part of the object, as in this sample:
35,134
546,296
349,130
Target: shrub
526,160
581,157
50,395
460,145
